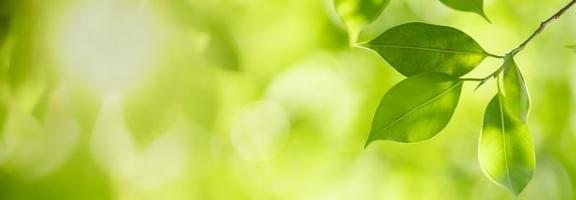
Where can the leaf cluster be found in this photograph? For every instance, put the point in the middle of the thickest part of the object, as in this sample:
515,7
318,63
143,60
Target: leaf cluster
433,59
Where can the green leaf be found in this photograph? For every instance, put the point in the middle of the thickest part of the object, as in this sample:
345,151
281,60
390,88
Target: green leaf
356,14
513,88
415,48
476,6
505,151
417,108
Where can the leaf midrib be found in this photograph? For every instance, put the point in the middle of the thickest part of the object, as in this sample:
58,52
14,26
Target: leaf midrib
377,135
500,102
429,49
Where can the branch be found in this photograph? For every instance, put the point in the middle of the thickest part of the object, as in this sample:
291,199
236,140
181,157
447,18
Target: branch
541,28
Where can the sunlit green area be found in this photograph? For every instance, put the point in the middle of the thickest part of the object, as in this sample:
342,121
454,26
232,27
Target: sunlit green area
256,99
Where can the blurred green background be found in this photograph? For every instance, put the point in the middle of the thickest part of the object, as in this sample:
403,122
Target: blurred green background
254,99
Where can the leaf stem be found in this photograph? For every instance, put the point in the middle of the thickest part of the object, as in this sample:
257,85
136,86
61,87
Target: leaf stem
353,34
486,78
520,47
541,28
493,55
473,79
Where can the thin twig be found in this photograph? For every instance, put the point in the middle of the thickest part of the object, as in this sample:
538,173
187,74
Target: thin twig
493,55
541,28
521,46
484,79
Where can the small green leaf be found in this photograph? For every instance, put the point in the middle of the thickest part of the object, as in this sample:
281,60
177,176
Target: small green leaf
476,6
415,48
358,13
513,88
505,151
417,108
355,14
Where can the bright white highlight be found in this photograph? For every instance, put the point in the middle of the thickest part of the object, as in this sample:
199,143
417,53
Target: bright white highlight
108,43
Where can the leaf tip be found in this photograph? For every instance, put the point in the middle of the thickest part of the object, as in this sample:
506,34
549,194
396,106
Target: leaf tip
515,191
368,142
481,13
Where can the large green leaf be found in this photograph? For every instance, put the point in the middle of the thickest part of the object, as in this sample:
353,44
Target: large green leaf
356,14
505,152
476,6
415,48
417,108
513,87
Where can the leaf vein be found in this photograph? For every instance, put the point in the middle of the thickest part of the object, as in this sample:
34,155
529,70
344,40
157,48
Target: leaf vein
417,107
429,49
502,123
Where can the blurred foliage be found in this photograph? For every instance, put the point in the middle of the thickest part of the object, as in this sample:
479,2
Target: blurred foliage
254,99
